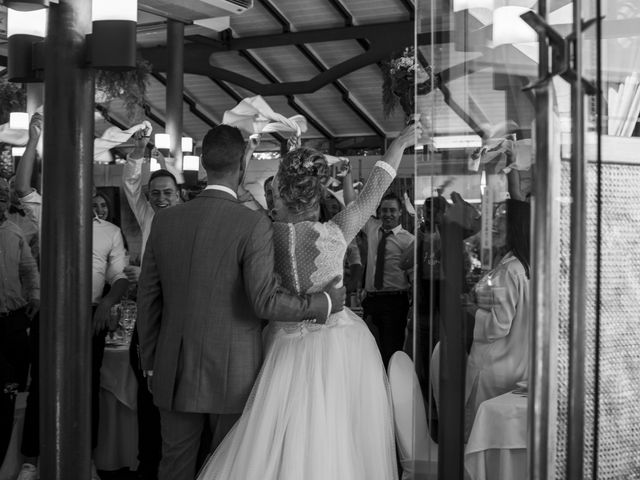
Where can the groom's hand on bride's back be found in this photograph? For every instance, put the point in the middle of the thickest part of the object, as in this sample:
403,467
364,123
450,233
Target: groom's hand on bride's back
338,294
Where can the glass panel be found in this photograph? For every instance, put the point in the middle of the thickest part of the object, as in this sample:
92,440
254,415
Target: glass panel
474,309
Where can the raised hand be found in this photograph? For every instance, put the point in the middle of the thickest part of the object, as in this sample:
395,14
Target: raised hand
463,214
35,126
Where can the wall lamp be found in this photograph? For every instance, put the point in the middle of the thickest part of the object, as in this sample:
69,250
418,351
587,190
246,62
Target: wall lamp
111,44
162,141
25,32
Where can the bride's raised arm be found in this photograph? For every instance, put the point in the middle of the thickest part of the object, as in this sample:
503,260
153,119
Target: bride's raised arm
353,218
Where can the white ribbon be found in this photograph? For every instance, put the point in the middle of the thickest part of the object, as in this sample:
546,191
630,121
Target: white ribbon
112,137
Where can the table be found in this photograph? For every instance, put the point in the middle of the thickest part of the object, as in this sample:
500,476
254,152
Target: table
118,432
497,446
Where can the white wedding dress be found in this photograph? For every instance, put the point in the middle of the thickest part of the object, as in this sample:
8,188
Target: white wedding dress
320,408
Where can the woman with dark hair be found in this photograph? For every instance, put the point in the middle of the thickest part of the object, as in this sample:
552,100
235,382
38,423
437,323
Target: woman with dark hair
320,408
500,305
102,207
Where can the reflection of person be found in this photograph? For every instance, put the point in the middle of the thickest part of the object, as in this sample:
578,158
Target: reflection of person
387,284
320,408
207,279
500,306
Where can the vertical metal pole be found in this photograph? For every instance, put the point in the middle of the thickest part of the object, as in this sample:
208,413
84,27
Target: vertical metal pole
175,48
577,288
543,285
65,340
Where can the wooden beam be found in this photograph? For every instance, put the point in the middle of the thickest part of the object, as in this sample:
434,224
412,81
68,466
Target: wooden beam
344,91
191,103
196,61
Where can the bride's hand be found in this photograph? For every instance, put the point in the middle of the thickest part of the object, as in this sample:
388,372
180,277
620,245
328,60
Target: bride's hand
409,135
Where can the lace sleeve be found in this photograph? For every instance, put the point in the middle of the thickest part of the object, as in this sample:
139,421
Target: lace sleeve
353,218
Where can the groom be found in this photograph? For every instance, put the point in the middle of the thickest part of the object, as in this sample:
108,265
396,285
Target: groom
207,279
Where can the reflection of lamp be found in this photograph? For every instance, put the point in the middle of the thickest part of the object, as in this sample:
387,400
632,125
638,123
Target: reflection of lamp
24,29
26,5
154,165
190,163
451,142
17,151
113,41
19,120
187,144
163,140
509,28
459,5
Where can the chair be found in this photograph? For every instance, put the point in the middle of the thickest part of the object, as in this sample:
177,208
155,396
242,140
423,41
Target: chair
418,452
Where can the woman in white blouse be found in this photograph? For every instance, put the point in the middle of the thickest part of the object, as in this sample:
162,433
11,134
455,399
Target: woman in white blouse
500,305
501,309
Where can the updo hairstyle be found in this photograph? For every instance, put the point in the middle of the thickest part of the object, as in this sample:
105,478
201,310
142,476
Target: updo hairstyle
300,178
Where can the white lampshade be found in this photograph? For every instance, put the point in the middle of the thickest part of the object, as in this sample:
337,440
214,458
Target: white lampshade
33,22
154,165
459,5
17,151
190,163
115,10
509,28
187,144
163,140
19,120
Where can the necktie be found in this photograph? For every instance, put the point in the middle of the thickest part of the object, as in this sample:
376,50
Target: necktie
378,279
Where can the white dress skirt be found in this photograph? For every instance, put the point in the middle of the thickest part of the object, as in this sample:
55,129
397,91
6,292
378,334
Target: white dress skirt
319,410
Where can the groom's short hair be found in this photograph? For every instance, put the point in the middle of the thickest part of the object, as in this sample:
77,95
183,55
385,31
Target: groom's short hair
222,150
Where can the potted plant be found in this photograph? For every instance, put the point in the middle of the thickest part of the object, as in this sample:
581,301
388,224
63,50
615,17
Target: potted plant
403,77
129,86
13,98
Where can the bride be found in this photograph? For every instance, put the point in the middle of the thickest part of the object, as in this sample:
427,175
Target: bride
320,408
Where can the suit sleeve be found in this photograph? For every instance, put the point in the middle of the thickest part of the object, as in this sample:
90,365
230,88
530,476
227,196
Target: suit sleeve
269,301
150,304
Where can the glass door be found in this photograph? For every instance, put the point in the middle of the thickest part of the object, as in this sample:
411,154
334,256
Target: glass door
489,267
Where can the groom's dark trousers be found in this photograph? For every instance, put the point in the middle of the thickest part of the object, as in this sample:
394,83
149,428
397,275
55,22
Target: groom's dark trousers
181,432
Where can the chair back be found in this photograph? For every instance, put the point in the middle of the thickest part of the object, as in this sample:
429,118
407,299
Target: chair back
418,453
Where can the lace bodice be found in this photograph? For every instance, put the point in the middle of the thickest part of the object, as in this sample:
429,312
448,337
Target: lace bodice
308,255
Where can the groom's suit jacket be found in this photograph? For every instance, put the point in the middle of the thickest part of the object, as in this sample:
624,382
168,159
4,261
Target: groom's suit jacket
207,279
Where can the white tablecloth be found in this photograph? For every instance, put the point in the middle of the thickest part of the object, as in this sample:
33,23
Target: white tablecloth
118,432
497,446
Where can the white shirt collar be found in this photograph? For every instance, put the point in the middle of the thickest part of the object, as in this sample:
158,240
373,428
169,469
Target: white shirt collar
395,230
222,188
